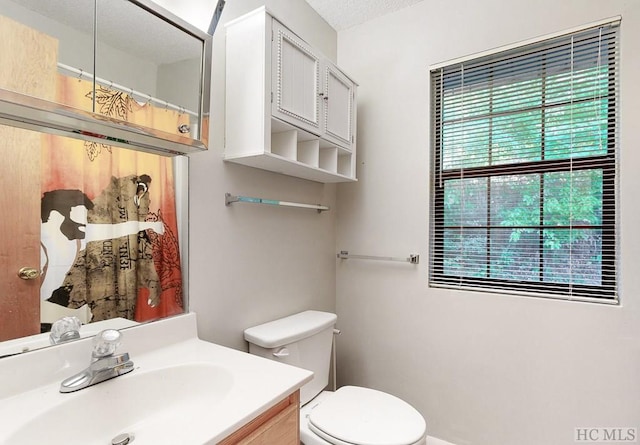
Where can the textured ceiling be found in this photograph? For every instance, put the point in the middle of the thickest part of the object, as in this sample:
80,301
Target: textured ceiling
342,14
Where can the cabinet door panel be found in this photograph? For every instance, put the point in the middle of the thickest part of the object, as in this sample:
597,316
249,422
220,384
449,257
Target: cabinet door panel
279,425
296,85
338,96
282,429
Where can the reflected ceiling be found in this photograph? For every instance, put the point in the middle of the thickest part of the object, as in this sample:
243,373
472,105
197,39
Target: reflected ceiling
116,19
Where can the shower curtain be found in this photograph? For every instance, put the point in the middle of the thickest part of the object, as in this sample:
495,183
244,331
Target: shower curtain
109,228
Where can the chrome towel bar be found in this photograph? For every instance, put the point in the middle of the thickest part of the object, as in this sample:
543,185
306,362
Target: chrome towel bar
229,199
412,258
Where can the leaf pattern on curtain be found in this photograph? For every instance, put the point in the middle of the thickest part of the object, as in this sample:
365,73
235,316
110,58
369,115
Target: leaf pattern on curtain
111,103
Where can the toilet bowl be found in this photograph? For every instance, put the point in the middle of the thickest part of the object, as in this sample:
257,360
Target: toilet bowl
362,416
351,415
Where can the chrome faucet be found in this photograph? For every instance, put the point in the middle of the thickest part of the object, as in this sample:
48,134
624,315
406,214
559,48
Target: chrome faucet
104,364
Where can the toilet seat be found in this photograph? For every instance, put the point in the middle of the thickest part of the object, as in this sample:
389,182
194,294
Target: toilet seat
362,416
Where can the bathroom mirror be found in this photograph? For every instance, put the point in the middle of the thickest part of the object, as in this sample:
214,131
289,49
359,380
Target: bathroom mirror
86,84
96,233
131,56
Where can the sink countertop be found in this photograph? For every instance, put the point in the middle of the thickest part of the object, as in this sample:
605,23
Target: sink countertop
31,382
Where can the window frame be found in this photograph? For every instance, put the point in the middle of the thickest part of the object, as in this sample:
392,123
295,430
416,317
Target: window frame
607,291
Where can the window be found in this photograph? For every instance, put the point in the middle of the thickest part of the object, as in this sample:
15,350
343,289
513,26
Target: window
524,146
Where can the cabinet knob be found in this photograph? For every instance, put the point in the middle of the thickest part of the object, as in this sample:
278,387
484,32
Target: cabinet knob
184,128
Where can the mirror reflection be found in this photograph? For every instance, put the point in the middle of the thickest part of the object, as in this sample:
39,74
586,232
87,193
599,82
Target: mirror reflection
134,59
170,57
98,225
91,230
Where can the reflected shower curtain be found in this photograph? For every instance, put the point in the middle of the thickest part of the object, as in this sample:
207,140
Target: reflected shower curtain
109,227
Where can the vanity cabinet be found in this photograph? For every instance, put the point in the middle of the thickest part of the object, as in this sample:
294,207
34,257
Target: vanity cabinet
278,425
288,108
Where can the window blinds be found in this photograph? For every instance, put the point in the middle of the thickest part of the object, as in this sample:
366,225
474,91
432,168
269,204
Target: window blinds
524,145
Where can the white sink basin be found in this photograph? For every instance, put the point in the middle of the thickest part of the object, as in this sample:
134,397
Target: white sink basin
141,404
182,390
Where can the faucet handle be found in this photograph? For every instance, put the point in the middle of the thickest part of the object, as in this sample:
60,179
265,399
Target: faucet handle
105,343
65,329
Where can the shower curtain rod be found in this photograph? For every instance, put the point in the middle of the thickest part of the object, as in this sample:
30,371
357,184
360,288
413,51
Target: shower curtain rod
107,83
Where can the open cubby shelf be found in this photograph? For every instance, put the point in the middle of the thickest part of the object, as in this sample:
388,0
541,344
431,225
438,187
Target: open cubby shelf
304,148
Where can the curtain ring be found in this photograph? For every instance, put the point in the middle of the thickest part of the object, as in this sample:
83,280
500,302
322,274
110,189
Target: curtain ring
80,75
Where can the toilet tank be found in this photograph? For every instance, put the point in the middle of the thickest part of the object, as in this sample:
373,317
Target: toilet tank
303,340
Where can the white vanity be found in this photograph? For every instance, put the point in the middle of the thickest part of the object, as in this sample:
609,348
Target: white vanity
182,390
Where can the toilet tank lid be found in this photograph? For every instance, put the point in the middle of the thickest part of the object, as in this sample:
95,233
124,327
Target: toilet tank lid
289,329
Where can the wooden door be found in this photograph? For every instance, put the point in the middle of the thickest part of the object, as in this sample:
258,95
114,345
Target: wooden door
27,65
295,80
20,233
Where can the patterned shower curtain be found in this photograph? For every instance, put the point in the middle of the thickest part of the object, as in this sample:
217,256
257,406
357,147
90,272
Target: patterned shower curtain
109,227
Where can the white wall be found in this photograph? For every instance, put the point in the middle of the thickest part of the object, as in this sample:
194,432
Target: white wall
484,369
252,263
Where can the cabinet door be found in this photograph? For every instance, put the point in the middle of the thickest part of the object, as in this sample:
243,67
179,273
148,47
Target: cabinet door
339,98
295,80
279,425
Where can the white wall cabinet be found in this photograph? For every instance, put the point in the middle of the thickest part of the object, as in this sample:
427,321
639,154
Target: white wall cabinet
288,108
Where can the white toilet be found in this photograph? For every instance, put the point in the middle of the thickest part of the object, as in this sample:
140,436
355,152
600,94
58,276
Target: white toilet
350,416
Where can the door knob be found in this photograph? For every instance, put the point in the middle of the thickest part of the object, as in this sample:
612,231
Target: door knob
28,273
